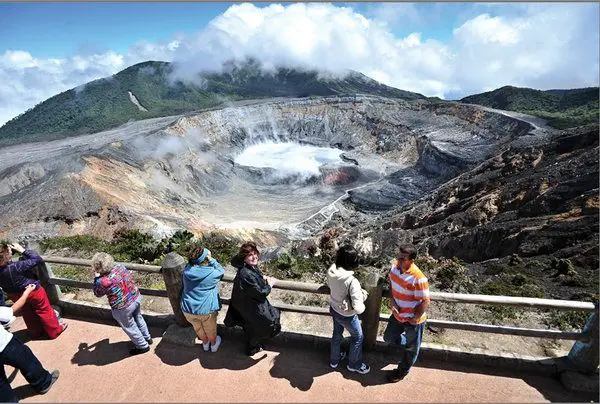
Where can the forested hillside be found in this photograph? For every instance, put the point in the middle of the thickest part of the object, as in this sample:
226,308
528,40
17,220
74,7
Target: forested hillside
105,103
562,108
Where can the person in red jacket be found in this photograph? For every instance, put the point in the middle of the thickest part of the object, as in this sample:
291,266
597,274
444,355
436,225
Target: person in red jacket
38,314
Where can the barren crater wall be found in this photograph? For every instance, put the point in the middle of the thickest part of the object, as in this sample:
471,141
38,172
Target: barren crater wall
180,172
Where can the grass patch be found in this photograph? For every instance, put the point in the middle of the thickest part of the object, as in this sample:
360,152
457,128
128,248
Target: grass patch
79,243
567,320
292,267
72,272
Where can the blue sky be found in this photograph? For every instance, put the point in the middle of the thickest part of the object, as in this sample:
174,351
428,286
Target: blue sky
64,29
448,50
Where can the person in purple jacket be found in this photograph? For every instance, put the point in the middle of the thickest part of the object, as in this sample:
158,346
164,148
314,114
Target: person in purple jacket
38,314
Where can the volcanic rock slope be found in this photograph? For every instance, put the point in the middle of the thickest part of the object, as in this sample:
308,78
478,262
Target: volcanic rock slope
458,180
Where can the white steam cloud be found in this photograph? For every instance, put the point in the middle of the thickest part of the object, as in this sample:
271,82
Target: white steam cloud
289,159
543,45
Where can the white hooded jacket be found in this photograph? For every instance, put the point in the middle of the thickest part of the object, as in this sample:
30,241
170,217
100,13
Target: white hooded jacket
344,286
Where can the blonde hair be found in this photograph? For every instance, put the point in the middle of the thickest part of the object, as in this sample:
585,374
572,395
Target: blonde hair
102,262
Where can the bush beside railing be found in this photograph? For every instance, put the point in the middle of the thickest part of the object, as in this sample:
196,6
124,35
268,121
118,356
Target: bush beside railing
174,263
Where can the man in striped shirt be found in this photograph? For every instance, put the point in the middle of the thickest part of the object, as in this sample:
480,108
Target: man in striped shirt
409,291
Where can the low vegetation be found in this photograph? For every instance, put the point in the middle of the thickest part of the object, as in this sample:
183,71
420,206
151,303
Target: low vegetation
105,103
561,108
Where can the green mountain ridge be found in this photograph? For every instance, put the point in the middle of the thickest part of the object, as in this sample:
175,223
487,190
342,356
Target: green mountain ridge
105,103
562,108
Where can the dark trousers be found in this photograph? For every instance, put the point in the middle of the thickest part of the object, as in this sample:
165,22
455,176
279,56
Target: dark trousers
19,356
407,335
38,314
255,340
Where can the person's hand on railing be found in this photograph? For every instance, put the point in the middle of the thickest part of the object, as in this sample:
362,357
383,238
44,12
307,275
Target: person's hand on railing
270,280
16,247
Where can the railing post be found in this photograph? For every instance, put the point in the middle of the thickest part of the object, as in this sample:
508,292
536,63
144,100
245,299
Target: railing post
584,354
373,284
45,273
172,271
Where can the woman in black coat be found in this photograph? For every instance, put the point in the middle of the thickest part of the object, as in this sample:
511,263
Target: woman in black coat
249,307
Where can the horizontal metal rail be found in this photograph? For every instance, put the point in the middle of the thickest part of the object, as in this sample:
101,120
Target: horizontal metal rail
323,311
528,302
88,263
499,329
90,285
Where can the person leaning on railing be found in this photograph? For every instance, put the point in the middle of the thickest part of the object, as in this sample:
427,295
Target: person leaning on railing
200,302
40,318
249,306
409,300
14,353
115,281
347,302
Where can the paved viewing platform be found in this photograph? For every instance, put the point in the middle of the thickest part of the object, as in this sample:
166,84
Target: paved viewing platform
95,365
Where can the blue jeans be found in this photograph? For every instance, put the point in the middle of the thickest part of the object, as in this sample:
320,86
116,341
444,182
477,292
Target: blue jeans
352,324
19,356
407,335
131,321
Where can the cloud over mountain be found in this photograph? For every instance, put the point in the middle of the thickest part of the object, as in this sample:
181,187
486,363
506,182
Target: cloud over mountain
542,46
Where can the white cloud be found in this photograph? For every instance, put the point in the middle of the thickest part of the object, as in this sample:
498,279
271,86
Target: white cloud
544,45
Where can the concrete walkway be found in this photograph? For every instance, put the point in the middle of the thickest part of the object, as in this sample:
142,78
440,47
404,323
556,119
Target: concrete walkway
95,366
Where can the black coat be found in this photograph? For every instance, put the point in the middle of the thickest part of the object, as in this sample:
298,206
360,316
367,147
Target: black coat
249,306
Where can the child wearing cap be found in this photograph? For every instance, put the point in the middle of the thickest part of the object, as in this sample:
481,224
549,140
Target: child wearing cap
200,302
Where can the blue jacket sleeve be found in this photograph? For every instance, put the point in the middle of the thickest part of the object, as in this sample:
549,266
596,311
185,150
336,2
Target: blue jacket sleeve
218,269
28,260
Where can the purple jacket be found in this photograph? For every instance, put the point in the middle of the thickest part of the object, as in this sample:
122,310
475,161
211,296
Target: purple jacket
15,276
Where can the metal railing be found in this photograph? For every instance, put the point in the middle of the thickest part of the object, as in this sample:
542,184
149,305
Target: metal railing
376,293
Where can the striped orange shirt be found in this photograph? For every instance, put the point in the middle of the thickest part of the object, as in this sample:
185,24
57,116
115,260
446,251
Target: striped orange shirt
408,289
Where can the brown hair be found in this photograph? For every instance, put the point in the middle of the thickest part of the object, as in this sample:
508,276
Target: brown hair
4,249
247,248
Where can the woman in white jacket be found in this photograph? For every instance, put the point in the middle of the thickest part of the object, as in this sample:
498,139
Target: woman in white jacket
347,302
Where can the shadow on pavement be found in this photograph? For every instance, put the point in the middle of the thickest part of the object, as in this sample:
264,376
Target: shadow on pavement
230,355
300,366
550,387
25,391
101,353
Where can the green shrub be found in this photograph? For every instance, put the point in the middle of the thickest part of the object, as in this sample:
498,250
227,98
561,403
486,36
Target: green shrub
222,247
77,243
72,272
452,275
567,320
133,245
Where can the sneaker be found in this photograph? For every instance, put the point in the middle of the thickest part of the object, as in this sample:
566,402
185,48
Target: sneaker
137,351
6,324
55,374
149,341
342,357
363,369
206,346
215,347
396,375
